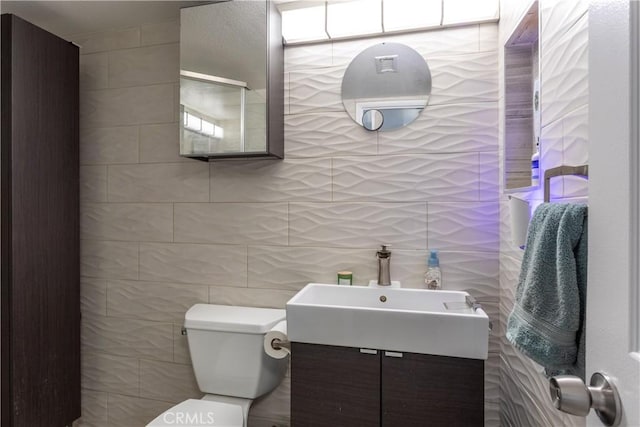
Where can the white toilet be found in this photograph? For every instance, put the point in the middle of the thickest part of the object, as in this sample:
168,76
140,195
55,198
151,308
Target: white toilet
230,365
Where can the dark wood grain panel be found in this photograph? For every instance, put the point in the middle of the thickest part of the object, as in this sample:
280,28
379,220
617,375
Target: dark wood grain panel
423,390
40,227
5,217
275,83
334,386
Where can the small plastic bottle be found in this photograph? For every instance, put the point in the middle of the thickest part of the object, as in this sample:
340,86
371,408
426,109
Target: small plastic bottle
535,167
433,276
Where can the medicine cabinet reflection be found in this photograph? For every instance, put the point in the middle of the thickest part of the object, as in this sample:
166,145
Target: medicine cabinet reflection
522,104
231,81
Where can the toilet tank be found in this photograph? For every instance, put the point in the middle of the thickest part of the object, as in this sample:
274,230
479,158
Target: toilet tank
227,353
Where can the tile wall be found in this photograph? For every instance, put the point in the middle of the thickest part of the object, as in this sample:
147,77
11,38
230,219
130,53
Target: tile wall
160,233
524,398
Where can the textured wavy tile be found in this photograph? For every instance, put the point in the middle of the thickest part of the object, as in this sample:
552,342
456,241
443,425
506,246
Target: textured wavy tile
464,78
287,92
492,378
575,127
492,414
144,66
271,180
557,17
492,309
224,265
108,40
307,56
127,337
93,183
164,32
428,43
489,37
274,405
358,225
109,145
127,106
93,296
161,144
134,411
575,130
516,406
231,223
180,345
327,134
114,260
565,86
464,226
406,178
292,268
249,297
94,408
106,373
489,171
551,154
168,381
446,129
316,90
160,302
130,222
474,272
162,182
93,71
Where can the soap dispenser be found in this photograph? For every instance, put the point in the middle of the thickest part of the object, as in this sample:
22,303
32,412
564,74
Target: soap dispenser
433,276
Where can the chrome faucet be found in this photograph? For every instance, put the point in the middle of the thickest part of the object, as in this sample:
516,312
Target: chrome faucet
384,266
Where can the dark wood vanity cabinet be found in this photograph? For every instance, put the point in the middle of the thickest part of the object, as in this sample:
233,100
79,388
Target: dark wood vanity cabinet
343,386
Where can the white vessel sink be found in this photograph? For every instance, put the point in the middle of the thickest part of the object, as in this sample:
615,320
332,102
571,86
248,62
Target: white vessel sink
411,320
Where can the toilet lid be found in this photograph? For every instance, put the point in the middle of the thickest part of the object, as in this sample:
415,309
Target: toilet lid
200,413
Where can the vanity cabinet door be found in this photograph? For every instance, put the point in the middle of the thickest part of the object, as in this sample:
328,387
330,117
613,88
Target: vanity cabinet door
334,386
421,389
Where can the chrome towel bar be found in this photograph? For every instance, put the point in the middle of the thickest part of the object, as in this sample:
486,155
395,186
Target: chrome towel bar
582,171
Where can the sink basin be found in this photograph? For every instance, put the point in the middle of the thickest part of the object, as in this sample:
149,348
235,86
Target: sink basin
411,320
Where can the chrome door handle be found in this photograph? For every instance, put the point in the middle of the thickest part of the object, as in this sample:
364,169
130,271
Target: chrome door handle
571,395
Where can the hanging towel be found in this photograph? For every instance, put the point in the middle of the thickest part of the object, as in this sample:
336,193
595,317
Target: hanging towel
547,321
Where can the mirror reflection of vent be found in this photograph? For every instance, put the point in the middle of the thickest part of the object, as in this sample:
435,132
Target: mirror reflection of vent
199,125
386,64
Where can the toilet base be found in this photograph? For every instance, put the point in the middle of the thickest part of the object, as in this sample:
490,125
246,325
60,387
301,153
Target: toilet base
211,410
243,403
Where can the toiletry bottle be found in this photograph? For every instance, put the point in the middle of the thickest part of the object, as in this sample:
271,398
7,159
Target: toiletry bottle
535,167
345,278
433,276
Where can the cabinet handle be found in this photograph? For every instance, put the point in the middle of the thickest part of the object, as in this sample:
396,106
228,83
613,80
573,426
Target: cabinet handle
392,354
368,351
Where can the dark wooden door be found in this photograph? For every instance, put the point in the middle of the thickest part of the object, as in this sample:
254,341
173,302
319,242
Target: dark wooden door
423,390
40,232
334,386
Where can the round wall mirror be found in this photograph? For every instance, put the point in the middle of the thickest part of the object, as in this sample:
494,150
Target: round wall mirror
386,86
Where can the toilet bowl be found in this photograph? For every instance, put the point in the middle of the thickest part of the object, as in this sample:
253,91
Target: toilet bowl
229,363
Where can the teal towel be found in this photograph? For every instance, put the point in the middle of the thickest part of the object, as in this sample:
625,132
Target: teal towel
547,321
